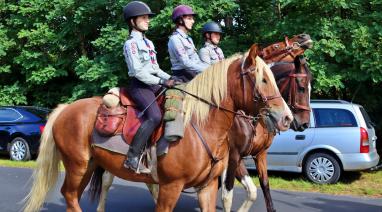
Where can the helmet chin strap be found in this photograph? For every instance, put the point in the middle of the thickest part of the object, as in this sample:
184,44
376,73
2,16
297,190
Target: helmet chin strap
135,26
183,23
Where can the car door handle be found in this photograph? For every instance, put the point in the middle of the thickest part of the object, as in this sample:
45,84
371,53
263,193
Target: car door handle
300,137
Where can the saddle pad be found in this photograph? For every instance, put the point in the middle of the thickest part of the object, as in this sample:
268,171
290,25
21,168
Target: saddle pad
114,144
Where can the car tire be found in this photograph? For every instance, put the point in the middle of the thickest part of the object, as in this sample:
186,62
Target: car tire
322,168
19,150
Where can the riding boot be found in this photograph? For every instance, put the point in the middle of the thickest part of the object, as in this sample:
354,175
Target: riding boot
162,146
136,148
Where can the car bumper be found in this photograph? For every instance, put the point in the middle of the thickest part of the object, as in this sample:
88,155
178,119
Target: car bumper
358,161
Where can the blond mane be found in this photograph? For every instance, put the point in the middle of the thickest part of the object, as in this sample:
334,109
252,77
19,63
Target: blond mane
210,85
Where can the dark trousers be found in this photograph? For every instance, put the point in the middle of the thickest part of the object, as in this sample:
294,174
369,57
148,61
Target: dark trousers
185,75
143,94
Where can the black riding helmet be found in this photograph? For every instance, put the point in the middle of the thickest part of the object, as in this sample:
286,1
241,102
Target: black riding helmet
212,27
136,8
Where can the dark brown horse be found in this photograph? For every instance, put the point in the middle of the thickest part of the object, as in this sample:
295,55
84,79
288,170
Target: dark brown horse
67,136
282,56
293,78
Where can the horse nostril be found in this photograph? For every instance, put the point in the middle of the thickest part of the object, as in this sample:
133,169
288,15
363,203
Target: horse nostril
305,125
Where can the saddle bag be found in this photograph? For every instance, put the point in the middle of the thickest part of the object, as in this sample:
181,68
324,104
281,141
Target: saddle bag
110,121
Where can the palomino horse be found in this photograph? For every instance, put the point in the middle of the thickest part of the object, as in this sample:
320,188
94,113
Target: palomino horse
281,57
67,136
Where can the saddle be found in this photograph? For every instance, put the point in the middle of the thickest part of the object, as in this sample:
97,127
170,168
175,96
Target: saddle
123,119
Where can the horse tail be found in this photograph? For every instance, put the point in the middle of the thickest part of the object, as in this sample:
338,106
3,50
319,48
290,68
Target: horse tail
46,173
95,188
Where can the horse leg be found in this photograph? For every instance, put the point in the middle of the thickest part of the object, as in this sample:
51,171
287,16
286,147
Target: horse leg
228,180
207,196
227,195
107,180
76,179
249,186
261,165
168,196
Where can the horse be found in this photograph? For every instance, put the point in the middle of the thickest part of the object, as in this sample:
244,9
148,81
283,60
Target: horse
282,58
207,120
293,79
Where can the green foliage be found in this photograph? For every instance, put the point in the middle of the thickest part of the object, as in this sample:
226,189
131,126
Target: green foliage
60,51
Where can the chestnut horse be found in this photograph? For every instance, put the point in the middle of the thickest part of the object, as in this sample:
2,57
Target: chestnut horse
243,135
281,56
197,160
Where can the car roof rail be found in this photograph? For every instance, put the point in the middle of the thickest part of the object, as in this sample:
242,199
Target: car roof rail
329,101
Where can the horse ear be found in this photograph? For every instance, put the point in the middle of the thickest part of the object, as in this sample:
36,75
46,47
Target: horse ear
254,51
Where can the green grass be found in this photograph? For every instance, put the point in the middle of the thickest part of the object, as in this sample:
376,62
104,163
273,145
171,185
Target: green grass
367,184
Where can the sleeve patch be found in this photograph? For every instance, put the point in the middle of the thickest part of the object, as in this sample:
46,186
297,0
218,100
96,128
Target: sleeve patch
134,48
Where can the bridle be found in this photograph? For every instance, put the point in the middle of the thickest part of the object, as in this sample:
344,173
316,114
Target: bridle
288,50
258,97
293,84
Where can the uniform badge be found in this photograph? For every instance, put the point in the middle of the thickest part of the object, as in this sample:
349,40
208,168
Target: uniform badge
133,48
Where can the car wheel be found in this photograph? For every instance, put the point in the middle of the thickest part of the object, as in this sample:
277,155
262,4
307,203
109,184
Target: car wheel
19,150
322,168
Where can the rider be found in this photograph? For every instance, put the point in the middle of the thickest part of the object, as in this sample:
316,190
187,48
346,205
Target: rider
146,76
211,53
185,61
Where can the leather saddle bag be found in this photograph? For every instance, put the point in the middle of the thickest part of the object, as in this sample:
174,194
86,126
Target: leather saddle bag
110,120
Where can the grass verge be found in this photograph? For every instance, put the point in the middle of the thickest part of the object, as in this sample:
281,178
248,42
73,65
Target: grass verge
366,183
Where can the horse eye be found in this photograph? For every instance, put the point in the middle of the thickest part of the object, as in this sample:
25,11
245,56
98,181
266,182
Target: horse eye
265,81
276,46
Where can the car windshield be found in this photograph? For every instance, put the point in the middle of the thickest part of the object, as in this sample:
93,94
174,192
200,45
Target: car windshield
40,112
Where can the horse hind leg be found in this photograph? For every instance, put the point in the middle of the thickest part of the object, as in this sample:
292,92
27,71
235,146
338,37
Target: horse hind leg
76,178
107,180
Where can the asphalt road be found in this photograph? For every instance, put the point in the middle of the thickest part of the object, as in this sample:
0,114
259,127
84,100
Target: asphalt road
128,196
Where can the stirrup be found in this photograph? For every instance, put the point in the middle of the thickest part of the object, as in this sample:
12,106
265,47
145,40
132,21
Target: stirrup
142,168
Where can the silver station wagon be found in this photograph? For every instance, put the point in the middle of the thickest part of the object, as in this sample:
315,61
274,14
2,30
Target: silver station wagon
341,137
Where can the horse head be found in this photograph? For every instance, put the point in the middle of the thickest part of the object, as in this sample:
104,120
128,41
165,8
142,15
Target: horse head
259,93
292,75
286,50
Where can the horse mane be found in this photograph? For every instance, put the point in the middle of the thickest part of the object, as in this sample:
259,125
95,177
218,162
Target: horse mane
210,85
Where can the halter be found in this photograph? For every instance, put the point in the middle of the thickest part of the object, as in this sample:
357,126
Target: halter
292,82
288,50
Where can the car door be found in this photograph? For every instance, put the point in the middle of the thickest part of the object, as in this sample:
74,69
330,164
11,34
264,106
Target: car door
8,116
284,151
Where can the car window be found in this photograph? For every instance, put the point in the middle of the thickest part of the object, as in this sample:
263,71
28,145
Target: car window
369,122
40,112
8,114
326,117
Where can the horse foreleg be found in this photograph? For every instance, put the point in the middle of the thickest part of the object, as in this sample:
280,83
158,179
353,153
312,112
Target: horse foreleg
227,195
261,165
207,196
228,180
168,196
107,180
249,186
